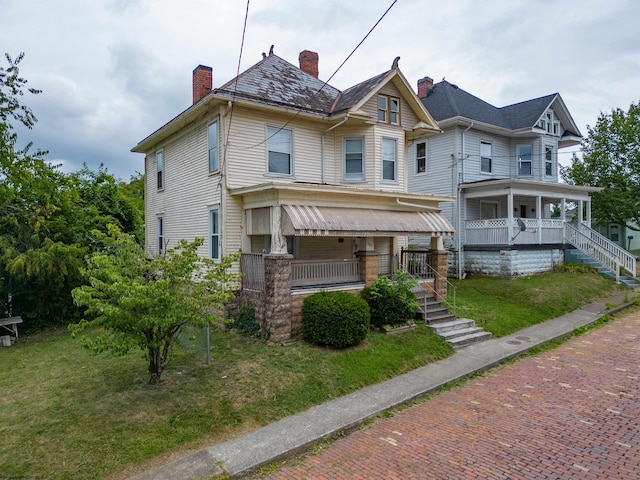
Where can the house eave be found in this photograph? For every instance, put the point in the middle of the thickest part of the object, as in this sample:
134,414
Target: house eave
303,189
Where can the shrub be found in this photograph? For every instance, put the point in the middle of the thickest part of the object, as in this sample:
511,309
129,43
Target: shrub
336,319
391,301
245,322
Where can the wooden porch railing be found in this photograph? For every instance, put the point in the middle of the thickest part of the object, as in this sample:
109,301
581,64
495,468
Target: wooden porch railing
252,269
323,272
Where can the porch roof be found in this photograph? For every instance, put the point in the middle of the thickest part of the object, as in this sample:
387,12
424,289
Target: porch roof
495,187
305,220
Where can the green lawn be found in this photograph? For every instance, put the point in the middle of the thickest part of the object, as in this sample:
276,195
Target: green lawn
506,306
67,413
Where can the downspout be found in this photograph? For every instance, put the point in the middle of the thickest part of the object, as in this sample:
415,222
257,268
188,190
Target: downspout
458,207
322,145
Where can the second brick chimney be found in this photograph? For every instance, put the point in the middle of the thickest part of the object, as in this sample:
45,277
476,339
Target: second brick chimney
202,81
424,85
309,62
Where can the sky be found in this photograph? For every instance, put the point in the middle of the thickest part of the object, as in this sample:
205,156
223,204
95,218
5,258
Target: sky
113,71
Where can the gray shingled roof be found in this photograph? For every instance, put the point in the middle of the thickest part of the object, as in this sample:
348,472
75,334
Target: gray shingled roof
276,81
446,100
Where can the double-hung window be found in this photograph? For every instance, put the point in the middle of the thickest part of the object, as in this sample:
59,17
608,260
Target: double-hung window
354,158
548,161
214,233
279,151
160,221
524,155
389,109
160,169
421,157
486,157
389,164
213,146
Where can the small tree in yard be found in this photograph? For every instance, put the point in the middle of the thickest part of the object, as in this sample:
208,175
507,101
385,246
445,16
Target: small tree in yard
144,303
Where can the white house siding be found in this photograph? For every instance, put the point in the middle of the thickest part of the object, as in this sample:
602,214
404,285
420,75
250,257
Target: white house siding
188,190
247,154
471,158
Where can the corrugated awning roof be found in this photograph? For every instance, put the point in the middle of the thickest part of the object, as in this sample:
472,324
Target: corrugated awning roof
303,220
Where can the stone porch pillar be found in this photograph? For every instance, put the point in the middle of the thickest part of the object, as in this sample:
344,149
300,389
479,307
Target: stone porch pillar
439,256
278,301
368,260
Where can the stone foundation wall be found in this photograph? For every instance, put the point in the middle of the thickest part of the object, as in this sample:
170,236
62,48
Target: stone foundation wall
512,263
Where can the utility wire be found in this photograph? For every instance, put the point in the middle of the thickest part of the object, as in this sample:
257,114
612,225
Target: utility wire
327,81
235,91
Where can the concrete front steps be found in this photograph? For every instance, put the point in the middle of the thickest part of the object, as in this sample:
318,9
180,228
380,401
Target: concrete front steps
581,258
459,332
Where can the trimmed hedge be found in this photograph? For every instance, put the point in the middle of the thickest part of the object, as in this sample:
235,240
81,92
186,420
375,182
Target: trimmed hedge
335,319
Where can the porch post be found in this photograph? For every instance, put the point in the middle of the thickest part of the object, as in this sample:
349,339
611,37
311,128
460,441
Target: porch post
588,220
580,212
510,217
278,242
563,207
368,260
539,217
277,293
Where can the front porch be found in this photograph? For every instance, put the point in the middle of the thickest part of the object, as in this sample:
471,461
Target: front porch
277,284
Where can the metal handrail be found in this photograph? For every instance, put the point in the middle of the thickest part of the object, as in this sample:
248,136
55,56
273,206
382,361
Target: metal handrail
450,287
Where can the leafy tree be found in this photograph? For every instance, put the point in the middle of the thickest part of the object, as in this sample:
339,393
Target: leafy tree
611,159
145,303
46,217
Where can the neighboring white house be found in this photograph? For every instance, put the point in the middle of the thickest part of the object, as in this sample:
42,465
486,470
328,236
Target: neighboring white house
309,182
501,164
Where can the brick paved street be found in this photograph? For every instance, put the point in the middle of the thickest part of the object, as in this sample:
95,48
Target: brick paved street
572,412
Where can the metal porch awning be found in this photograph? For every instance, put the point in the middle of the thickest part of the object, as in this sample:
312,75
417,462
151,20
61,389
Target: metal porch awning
312,221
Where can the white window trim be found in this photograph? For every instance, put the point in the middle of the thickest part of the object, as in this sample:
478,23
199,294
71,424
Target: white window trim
425,158
519,162
210,210
160,171
362,178
490,171
217,146
548,147
160,234
291,150
395,160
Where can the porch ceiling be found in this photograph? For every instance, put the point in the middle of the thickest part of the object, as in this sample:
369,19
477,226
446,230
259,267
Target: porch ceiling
304,220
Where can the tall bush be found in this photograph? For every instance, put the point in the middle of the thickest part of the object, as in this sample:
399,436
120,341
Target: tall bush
391,301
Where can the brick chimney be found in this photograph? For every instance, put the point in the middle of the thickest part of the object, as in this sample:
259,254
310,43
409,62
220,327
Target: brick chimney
202,81
309,62
424,85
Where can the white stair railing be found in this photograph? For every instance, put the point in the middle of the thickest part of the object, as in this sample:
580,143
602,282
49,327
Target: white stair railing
600,248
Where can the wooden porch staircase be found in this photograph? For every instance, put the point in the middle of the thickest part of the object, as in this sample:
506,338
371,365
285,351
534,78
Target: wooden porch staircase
459,332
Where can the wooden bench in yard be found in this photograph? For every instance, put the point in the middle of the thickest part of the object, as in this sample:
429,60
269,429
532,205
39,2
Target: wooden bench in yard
11,324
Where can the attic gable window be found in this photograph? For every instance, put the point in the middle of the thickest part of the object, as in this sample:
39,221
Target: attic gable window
279,151
389,109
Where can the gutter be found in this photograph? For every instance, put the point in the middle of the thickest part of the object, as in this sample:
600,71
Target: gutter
406,204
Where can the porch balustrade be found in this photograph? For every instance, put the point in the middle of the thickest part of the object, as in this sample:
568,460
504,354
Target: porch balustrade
324,272
496,231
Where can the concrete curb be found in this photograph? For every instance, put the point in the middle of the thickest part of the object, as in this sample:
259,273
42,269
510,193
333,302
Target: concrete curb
247,453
